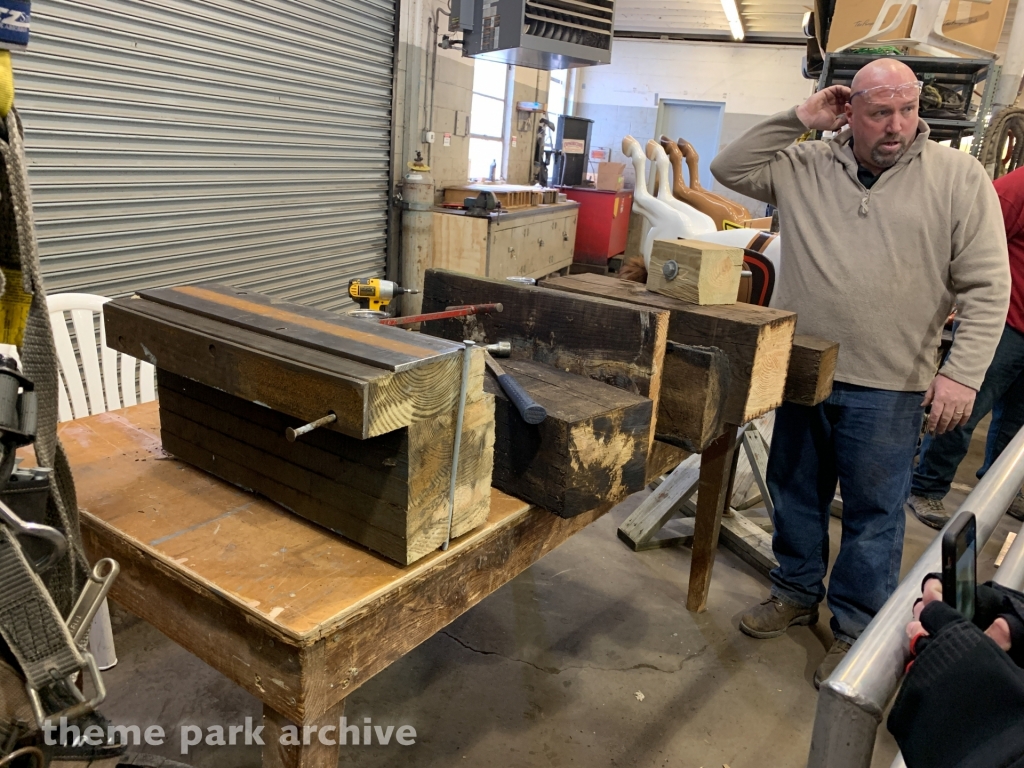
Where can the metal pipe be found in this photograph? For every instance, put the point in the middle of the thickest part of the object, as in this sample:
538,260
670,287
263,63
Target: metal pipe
1010,574
458,441
852,700
1013,66
471,309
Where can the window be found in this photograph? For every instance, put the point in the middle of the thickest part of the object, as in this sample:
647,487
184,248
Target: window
487,119
557,90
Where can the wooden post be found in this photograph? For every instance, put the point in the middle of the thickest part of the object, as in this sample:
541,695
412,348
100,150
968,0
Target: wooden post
316,754
716,469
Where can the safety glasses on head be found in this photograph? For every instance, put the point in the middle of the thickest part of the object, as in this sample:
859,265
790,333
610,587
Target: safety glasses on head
887,92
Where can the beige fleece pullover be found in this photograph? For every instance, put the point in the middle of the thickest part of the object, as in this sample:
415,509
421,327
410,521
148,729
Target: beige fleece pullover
878,270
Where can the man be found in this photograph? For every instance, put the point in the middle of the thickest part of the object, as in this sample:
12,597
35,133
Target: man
941,455
880,228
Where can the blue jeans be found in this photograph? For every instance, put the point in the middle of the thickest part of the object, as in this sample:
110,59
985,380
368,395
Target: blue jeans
941,455
865,439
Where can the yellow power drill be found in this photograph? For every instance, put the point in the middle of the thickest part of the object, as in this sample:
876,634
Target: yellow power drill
375,293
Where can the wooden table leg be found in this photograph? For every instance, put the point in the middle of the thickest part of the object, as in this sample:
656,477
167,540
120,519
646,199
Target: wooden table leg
716,470
315,754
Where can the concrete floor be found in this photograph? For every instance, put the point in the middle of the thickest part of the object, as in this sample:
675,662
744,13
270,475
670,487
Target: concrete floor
588,658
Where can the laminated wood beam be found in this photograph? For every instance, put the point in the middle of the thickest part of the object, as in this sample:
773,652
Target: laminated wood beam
388,493
303,381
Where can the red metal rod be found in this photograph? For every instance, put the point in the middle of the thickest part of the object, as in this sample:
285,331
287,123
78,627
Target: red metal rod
471,309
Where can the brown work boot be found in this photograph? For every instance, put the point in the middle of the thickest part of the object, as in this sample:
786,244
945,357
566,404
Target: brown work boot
832,659
773,617
931,512
1016,509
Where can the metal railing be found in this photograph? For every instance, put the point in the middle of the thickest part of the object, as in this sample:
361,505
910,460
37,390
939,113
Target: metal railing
851,702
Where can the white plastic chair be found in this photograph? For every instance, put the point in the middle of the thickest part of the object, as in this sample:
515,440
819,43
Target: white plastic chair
89,366
94,370
925,32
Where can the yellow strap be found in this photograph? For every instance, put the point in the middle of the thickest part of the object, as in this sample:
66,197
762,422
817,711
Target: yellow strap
14,307
6,83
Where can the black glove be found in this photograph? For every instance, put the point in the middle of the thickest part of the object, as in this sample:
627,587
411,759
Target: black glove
962,703
993,601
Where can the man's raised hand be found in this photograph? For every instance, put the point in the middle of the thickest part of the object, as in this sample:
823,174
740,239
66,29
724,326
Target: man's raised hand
826,109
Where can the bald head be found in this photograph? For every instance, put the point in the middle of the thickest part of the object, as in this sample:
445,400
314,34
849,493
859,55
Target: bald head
882,72
882,114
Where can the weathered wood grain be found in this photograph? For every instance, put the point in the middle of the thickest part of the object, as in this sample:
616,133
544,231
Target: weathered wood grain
750,543
389,493
708,273
639,529
692,416
592,447
713,492
316,754
606,341
302,382
812,367
663,458
376,345
619,344
757,340
196,554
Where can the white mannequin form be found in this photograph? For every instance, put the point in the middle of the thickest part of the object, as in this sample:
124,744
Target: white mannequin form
700,223
670,223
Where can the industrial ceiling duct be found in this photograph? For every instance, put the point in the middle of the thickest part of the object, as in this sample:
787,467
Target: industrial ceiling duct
541,34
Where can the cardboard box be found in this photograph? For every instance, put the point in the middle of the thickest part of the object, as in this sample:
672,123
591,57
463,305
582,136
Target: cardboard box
976,24
609,176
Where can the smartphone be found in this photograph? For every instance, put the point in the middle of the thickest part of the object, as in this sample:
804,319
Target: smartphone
960,564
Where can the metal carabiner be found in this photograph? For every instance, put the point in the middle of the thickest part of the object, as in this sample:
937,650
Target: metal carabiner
50,535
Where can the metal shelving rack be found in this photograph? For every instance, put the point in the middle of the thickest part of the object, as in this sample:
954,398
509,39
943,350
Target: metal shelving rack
962,75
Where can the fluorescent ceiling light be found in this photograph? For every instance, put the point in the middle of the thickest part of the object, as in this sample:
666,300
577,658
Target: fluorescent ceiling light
732,13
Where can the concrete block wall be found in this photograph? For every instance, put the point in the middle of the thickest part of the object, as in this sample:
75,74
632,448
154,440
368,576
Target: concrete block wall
453,92
754,81
530,85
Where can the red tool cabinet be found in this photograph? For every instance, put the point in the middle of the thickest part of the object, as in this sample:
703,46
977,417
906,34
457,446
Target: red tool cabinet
603,223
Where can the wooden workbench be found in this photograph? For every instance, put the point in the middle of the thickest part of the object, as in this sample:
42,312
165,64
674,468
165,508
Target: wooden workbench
296,615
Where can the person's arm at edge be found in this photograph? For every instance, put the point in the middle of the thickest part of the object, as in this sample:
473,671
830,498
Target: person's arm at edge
1010,189
745,166
980,272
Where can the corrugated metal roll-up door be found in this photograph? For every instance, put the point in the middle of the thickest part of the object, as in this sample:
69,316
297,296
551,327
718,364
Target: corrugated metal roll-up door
178,140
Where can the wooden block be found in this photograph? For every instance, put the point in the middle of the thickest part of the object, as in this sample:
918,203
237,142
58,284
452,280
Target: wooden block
692,416
663,458
376,345
639,529
304,382
388,493
749,541
705,273
618,344
591,449
757,340
812,367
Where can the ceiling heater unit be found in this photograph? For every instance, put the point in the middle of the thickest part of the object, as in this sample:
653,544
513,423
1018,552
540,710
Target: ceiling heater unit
540,34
